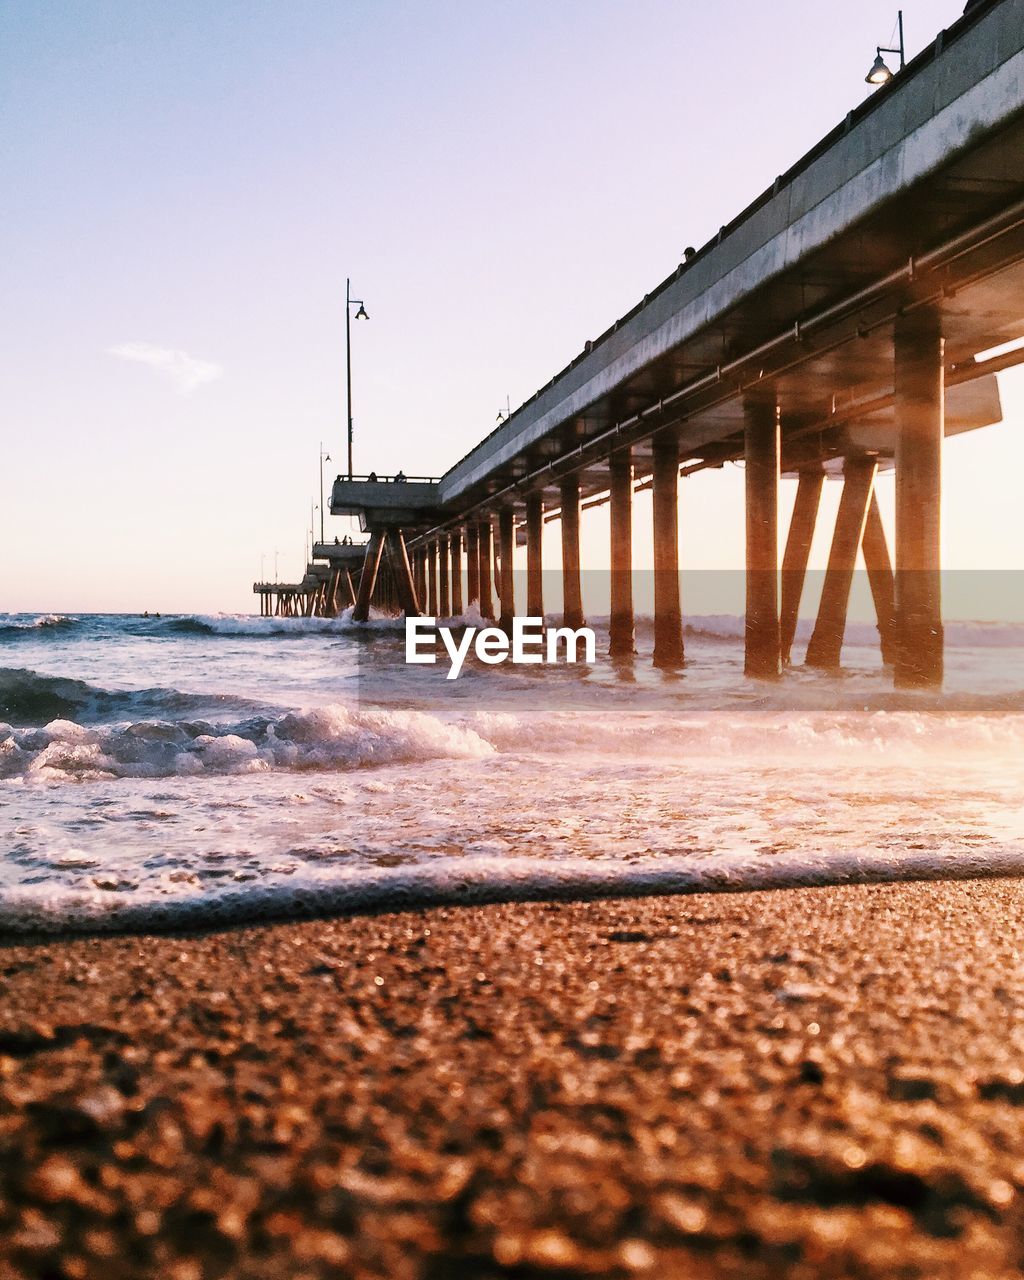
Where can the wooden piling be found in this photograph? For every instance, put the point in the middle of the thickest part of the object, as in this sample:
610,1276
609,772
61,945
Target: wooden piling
621,624
572,590
920,427
825,648
761,454
668,618
534,555
796,556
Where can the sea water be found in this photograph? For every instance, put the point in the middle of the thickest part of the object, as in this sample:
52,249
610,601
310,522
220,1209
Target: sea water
192,770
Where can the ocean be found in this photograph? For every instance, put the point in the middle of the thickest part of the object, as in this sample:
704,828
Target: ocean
178,771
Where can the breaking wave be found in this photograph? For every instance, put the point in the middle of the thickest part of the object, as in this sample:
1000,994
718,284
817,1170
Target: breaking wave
90,734
17,626
29,698
243,624
331,737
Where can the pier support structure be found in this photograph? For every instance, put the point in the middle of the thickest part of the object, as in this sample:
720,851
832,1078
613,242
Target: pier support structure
506,588
826,645
534,555
920,428
444,598
472,565
621,624
668,617
880,579
405,586
761,457
368,577
483,561
432,579
572,589
796,556
455,547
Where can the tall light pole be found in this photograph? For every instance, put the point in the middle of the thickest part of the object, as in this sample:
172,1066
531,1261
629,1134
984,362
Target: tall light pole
350,302
325,457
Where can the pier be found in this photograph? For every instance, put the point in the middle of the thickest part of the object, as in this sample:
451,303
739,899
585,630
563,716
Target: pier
831,331
326,587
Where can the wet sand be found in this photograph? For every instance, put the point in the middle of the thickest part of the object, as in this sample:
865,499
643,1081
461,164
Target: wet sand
809,1083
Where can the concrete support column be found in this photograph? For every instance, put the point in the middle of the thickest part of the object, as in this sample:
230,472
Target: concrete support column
880,579
506,589
572,590
668,618
405,587
534,555
472,565
761,453
484,568
368,577
796,555
417,576
826,646
444,598
432,579
621,626
455,545
920,429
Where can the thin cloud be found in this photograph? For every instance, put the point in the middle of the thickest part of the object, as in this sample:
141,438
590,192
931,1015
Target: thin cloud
185,372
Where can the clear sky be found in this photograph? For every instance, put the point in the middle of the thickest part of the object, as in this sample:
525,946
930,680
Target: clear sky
186,187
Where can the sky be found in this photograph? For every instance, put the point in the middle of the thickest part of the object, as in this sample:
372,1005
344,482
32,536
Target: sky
186,188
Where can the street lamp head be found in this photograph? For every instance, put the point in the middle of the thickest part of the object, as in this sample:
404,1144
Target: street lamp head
879,73
361,313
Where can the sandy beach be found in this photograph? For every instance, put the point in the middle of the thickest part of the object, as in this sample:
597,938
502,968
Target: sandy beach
820,1082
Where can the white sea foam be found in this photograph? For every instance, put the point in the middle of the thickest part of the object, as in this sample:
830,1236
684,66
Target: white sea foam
458,882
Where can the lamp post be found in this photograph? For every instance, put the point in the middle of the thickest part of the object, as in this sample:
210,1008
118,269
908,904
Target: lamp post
350,302
326,457
880,73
